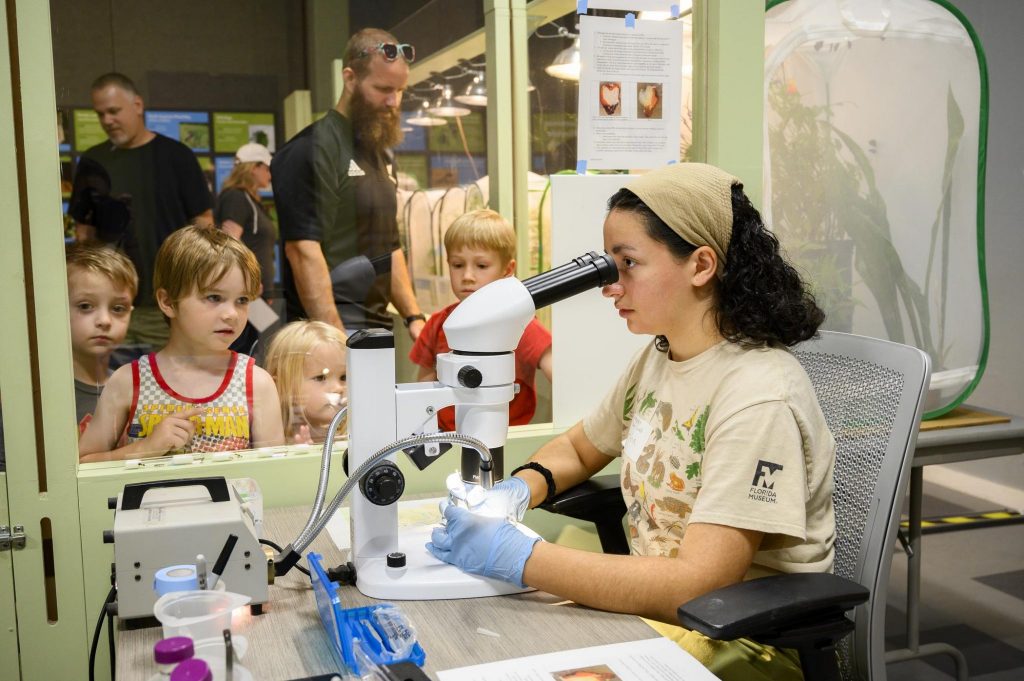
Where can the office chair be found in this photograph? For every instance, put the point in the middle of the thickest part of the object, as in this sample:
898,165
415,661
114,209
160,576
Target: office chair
872,394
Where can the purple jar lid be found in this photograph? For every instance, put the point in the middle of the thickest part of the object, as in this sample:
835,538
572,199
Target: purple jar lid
192,670
174,649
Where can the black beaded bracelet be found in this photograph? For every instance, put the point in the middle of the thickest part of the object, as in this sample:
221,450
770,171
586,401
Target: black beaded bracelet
534,466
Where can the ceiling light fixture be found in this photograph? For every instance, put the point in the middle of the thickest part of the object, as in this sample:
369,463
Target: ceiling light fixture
446,107
476,91
424,119
566,64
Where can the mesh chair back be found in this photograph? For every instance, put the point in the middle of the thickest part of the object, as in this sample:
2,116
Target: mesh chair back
872,394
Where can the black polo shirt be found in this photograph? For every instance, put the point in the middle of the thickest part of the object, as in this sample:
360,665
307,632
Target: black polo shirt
329,189
136,197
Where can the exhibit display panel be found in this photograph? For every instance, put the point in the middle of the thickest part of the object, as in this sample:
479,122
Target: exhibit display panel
874,174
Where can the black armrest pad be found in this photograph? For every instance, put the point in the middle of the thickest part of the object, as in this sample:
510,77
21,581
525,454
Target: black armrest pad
598,496
766,606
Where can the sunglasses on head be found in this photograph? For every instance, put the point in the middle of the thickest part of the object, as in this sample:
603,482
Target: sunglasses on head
390,51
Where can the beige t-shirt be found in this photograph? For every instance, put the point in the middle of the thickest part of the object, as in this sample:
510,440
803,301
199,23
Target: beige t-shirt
733,436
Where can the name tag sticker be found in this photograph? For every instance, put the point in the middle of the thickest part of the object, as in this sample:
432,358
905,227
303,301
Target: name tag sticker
637,437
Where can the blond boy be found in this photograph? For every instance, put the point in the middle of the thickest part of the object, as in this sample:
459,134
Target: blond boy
196,394
101,286
481,247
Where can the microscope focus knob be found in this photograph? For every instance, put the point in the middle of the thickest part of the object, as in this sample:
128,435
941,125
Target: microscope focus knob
383,485
470,377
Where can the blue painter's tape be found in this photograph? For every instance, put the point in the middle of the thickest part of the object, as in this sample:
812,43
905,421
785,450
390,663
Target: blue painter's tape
581,6
671,161
581,167
630,20
674,9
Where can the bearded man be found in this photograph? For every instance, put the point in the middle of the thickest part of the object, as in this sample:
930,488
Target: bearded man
335,191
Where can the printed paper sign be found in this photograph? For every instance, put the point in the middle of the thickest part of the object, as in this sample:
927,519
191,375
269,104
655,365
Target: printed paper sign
630,93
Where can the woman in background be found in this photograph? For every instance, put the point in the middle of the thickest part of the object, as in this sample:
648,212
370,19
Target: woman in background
240,212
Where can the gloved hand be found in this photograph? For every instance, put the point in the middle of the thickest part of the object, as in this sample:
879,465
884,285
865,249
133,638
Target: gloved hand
510,498
479,545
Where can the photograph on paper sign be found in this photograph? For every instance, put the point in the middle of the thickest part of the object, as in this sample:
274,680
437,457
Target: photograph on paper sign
610,97
648,100
600,672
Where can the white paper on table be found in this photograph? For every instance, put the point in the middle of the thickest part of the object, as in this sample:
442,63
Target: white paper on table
654,659
414,513
261,315
630,93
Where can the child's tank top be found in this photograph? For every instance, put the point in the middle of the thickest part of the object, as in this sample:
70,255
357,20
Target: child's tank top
226,421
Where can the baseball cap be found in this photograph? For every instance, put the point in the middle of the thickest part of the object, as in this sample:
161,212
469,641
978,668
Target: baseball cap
252,153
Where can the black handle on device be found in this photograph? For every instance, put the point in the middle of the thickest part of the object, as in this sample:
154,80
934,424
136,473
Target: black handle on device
131,498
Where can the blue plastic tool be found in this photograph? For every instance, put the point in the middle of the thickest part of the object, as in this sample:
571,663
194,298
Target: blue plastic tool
381,631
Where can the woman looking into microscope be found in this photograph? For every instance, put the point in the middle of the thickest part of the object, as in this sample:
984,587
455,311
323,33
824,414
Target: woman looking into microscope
726,457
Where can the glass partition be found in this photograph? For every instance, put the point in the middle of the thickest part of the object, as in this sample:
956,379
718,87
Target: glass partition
554,67
553,50
154,138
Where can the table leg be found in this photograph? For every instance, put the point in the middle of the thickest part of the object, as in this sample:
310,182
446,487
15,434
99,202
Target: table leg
914,649
914,560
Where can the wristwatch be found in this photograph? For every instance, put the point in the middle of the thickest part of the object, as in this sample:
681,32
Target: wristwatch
413,317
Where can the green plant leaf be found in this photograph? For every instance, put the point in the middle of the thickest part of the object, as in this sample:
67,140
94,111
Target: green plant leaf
697,434
627,406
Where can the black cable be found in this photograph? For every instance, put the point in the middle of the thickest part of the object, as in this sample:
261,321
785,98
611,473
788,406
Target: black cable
280,550
96,633
110,643
271,545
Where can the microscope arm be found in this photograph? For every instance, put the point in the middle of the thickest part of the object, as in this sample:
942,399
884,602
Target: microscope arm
292,553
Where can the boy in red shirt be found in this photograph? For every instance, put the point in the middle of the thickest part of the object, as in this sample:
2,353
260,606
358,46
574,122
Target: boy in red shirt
481,248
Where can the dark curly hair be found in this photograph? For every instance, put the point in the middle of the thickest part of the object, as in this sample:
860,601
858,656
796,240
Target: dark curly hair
760,298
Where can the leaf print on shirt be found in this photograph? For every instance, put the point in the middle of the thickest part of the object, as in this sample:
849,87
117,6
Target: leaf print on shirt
689,422
647,402
627,406
693,470
675,482
697,435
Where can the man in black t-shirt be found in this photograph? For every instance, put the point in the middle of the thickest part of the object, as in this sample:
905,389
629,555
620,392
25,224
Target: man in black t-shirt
134,190
336,198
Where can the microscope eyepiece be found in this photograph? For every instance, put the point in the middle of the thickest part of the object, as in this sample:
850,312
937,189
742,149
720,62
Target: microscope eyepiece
579,274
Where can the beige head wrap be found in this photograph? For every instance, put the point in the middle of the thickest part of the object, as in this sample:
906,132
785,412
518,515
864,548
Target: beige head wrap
694,199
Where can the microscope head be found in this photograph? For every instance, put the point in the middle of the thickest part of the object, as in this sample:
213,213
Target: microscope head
493,319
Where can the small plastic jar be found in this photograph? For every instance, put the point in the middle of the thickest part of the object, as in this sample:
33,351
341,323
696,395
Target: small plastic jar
169,652
192,670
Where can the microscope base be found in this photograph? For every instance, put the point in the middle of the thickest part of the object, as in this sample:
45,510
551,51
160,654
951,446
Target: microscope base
424,578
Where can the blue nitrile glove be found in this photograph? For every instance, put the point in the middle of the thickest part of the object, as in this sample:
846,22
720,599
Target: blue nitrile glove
480,545
510,498
511,495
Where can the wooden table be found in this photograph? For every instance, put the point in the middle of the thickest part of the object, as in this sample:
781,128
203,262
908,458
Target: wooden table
288,641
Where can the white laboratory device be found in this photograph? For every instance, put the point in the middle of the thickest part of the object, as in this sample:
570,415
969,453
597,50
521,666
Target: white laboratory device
478,377
169,522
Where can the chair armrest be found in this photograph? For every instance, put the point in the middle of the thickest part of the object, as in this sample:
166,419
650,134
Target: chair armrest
597,500
597,497
773,609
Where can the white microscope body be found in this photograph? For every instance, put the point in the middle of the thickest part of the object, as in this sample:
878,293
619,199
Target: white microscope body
478,377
